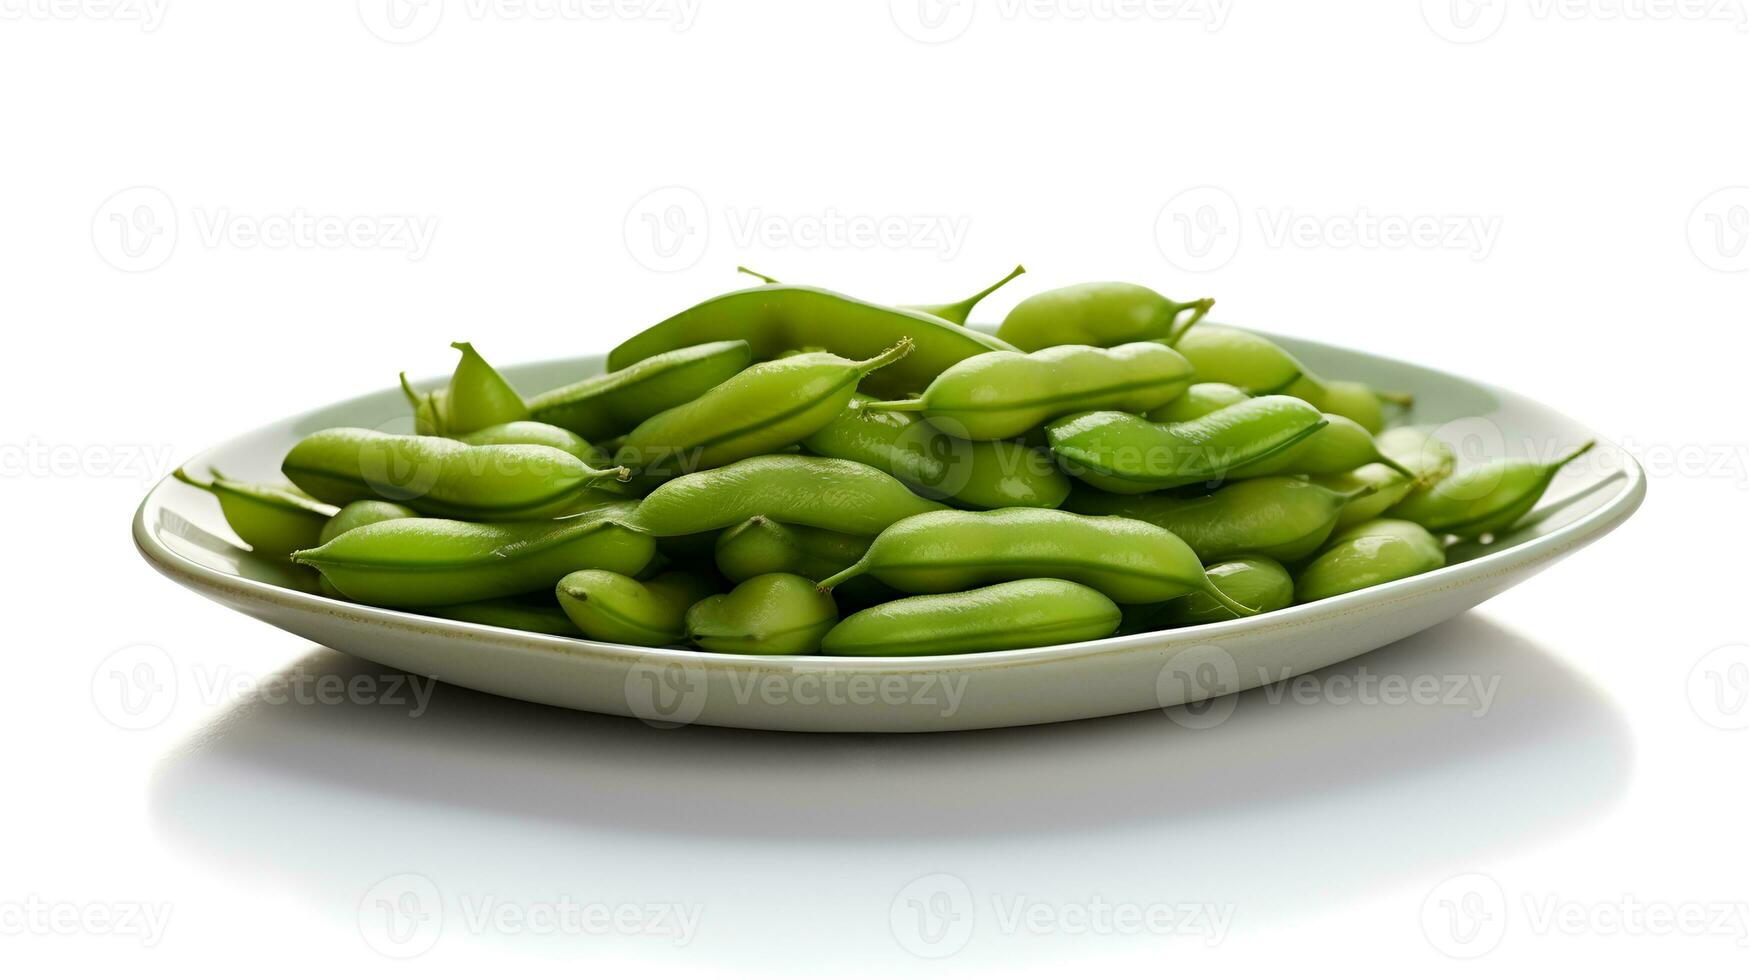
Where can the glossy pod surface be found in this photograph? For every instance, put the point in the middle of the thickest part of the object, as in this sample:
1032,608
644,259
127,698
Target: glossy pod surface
951,551
1340,446
617,608
440,477
1261,583
531,433
1240,358
765,408
834,494
1198,400
776,318
1101,314
1285,518
1005,395
1141,455
767,614
426,561
1489,498
1009,615
1368,554
982,475
274,521
613,404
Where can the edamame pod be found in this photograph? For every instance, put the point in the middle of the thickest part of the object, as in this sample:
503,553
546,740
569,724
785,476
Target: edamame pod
1426,456
274,521
834,494
613,404
951,551
1260,583
529,433
1285,518
1128,454
1387,487
761,410
616,608
1258,364
358,514
428,561
1486,499
536,613
1032,612
1103,314
776,318
477,396
958,312
984,475
1003,395
767,614
440,477
1368,554
1198,400
760,545
1338,447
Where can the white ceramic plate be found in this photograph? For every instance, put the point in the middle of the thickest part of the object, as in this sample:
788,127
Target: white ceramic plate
181,533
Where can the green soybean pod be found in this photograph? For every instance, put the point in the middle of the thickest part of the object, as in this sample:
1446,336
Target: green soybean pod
1003,395
984,475
1373,553
951,551
776,318
530,433
1484,500
427,561
1240,358
763,409
1362,403
477,397
1261,583
536,613
1198,400
1102,314
1340,446
1386,486
358,514
1034,612
1425,455
274,521
834,494
615,403
1285,518
760,545
767,614
616,608
440,477
958,311
1125,453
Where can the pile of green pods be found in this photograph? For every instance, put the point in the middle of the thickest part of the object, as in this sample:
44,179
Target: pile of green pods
784,470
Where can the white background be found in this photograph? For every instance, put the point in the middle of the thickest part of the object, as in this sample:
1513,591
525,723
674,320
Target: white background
1588,142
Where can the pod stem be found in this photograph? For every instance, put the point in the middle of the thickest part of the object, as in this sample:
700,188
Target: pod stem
962,310
182,476
757,275
1227,602
1359,492
1402,470
621,473
826,584
887,356
1590,444
1401,399
1198,309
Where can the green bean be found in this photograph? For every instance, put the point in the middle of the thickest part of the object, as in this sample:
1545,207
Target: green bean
1373,553
957,312
951,551
1198,400
1260,583
536,613
426,561
767,614
440,477
777,318
1285,518
274,521
762,409
1002,395
1035,612
358,514
616,608
983,475
1484,500
833,494
613,404
1128,454
1103,314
